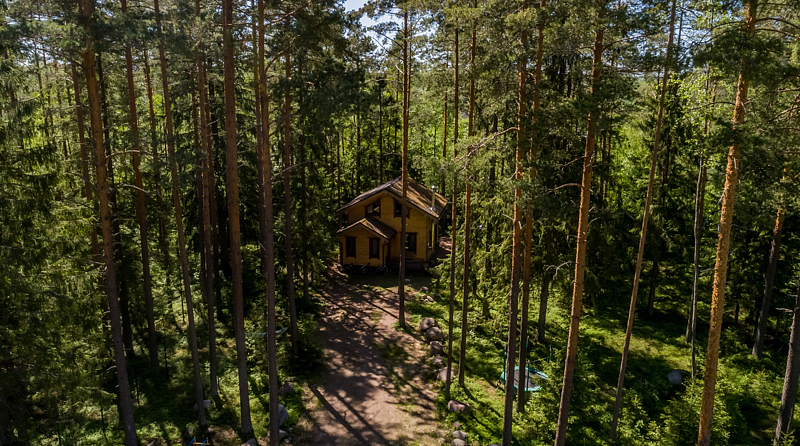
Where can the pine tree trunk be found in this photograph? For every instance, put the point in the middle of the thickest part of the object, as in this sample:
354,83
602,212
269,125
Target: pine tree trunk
267,226
87,179
698,235
583,229
462,353
401,292
125,400
162,229
124,297
643,234
516,250
699,205
454,225
176,202
141,212
207,210
526,276
769,279
232,172
789,394
723,246
287,207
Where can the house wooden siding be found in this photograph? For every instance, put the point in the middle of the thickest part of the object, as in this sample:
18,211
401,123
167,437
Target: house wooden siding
423,224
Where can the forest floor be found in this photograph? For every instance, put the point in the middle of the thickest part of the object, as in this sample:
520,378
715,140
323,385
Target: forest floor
375,389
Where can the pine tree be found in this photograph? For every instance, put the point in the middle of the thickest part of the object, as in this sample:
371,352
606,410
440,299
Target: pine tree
93,93
232,175
645,218
583,229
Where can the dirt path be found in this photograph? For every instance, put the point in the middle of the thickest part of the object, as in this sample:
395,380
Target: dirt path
374,390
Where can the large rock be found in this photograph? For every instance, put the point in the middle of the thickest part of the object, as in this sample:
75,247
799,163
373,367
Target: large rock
250,442
426,323
675,377
460,435
434,334
436,348
286,389
442,374
206,404
457,426
438,361
283,414
458,442
458,407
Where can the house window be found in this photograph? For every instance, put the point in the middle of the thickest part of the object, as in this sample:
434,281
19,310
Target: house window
350,247
344,219
374,209
374,248
411,242
398,210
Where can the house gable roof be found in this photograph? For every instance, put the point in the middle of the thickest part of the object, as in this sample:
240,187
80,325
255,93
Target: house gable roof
374,225
418,196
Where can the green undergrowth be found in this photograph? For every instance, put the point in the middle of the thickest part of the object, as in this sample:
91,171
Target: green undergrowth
654,412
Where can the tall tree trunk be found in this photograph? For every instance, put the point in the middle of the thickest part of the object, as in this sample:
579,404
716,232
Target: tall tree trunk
87,179
232,172
124,296
699,206
583,229
208,210
769,278
516,249
526,276
176,202
267,227
723,246
287,206
125,400
401,317
789,394
462,353
645,219
141,213
162,227
454,224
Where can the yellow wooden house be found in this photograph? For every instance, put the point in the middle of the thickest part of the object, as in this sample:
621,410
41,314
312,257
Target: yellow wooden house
369,231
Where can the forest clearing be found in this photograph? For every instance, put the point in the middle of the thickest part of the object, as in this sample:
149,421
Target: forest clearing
376,222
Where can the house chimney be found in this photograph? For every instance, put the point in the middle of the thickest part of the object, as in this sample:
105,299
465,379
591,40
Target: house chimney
433,198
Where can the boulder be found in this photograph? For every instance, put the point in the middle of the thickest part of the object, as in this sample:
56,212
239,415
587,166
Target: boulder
460,435
438,361
458,407
456,426
458,442
283,414
282,435
436,348
442,374
434,334
206,404
424,289
250,442
675,376
426,323
154,442
286,389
